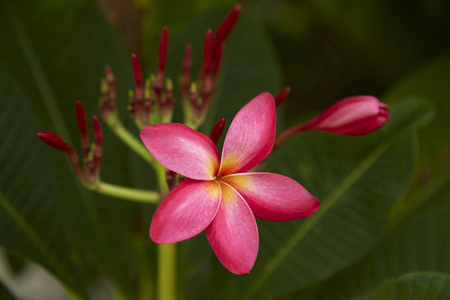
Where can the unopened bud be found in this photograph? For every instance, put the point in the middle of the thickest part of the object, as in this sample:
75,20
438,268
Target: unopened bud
217,130
218,56
208,52
162,54
226,26
55,141
81,119
282,96
137,76
358,115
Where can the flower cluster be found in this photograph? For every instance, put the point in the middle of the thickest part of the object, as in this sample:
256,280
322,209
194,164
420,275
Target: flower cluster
92,153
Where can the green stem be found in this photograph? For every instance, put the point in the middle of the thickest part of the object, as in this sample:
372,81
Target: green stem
131,141
161,178
166,252
125,192
167,272
145,278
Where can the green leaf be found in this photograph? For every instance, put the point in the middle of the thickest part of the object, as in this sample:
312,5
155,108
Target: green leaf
357,180
419,242
415,286
5,294
430,82
26,219
55,55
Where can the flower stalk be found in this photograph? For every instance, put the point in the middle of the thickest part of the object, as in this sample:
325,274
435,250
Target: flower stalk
197,95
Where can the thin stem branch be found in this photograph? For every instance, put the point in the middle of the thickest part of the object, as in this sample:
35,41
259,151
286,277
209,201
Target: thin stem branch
126,193
132,142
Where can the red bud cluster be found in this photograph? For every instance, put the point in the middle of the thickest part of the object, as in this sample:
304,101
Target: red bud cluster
92,154
152,102
197,95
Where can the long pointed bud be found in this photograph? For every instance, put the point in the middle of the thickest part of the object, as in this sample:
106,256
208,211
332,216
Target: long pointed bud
55,141
137,75
357,115
218,56
81,119
282,96
208,52
226,26
162,55
217,130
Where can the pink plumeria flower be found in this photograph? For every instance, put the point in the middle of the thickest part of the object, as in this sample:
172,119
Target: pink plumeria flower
218,196
357,115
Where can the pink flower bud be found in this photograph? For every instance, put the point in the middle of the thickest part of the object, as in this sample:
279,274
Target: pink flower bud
218,55
162,55
282,96
357,115
217,130
226,26
207,53
55,141
137,69
81,119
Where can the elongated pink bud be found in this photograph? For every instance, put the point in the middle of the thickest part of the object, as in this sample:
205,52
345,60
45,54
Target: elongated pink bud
208,52
217,130
81,119
163,42
98,135
137,69
55,141
218,56
226,26
357,115
282,96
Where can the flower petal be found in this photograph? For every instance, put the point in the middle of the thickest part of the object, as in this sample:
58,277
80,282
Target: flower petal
251,135
233,233
185,212
274,197
182,150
